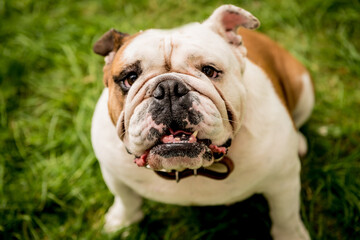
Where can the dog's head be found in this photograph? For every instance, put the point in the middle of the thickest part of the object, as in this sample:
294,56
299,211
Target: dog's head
176,96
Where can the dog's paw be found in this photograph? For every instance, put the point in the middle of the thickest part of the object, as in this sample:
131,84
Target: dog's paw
299,233
120,215
116,220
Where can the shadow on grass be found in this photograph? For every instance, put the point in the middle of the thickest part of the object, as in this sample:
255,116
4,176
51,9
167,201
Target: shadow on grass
245,220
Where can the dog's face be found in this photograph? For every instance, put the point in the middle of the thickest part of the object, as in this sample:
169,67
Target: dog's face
175,96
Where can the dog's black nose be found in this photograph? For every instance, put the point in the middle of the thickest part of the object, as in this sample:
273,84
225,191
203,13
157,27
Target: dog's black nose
170,88
172,103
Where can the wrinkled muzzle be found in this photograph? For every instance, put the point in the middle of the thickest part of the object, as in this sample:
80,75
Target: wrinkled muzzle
176,127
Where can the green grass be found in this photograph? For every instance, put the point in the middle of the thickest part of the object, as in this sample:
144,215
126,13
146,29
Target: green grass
50,182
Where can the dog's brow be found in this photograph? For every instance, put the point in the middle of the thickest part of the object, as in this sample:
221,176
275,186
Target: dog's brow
133,67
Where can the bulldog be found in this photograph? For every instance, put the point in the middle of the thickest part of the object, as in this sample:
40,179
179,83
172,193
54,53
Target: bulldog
204,114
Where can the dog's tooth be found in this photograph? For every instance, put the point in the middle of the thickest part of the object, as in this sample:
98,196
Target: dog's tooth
195,172
148,166
177,176
192,138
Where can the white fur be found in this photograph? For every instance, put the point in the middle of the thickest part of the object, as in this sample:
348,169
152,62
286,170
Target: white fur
303,110
264,148
305,103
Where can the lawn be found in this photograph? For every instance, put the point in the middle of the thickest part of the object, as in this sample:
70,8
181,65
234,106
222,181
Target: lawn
50,181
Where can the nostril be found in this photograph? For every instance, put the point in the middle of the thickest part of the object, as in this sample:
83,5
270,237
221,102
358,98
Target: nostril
180,89
170,88
159,92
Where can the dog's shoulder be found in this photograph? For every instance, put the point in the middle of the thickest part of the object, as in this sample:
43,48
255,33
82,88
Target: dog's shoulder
280,66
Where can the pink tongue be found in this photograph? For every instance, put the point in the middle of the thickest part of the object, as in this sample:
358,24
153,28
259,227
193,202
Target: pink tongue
168,139
217,149
141,161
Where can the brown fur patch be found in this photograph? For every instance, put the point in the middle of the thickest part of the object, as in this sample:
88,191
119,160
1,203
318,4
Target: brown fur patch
110,41
283,69
116,102
118,58
116,97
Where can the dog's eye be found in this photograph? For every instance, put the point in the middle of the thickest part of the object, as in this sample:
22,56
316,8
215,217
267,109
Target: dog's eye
210,72
126,78
130,79
126,82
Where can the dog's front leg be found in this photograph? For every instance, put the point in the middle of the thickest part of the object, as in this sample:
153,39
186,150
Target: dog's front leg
283,197
126,208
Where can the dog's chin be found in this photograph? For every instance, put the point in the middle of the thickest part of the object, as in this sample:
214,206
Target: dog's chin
179,150
179,156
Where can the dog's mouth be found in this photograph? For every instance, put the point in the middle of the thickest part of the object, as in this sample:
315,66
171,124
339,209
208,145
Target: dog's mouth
178,154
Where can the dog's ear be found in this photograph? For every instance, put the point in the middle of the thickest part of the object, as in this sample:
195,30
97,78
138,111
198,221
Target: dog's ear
109,42
107,46
227,18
